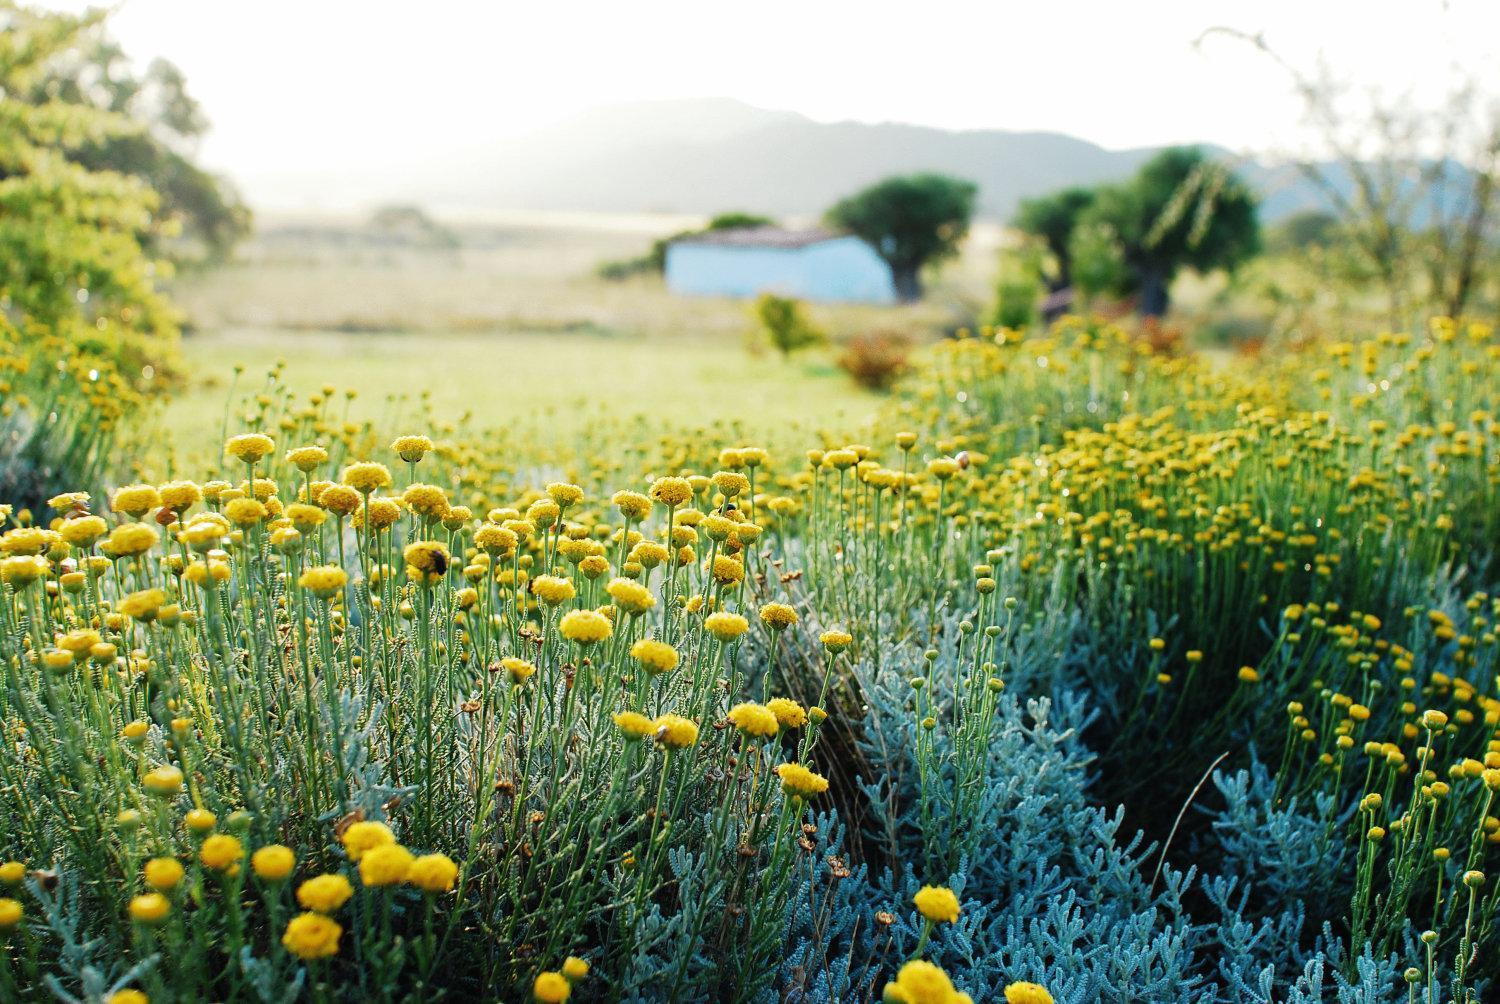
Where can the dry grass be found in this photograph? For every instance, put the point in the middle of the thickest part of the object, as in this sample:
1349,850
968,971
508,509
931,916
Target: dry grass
518,274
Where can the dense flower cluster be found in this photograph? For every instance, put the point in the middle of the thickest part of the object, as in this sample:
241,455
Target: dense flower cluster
309,724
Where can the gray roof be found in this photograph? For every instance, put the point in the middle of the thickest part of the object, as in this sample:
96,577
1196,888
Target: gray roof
761,237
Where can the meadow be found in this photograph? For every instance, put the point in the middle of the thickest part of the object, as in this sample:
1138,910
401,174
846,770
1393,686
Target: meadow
574,664
518,301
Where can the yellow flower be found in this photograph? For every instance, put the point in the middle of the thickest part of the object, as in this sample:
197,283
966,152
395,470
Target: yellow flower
585,627
312,936
412,448
428,559
164,780
799,781
129,540
921,982
841,459
632,505
937,903
12,872
221,852
307,458
649,553
565,495
433,873
67,502
654,656
789,713
150,908
553,589
387,864
129,995
574,968
341,500
495,540
200,820
163,874
725,626
671,492
23,569
246,512
630,596
519,669
551,988
273,862
544,512
79,642
428,501
366,476
366,835
180,496
324,893
676,731
379,514
778,616
250,447
82,531
754,720
836,641
730,483
11,912
142,605
135,500
1023,992
634,725
324,581
727,571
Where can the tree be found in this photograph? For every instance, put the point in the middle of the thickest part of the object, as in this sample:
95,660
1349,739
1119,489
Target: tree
910,222
72,237
1413,184
205,211
738,221
1311,229
84,331
1181,210
655,260
1052,220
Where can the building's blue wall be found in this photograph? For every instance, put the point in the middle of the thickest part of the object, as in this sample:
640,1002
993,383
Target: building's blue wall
841,270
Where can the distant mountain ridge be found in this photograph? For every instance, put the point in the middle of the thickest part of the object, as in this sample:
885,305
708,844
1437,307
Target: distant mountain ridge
712,155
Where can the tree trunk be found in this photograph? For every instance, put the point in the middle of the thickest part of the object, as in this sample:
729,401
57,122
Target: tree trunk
1155,297
908,282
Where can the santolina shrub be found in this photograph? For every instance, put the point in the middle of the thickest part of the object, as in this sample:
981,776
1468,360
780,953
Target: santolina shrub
1088,674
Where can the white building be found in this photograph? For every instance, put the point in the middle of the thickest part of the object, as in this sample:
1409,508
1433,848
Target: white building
816,265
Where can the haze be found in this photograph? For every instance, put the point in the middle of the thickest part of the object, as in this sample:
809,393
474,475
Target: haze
319,104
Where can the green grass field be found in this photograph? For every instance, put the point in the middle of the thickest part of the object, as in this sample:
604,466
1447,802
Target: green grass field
556,382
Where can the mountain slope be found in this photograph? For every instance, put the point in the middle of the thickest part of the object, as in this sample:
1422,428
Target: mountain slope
708,156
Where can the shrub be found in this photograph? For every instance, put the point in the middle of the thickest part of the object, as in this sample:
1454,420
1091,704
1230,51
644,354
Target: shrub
784,325
876,360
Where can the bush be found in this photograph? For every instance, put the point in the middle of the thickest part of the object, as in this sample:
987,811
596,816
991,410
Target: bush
876,360
784,325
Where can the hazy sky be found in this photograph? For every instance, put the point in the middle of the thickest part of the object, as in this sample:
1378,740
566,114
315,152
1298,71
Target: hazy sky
298,87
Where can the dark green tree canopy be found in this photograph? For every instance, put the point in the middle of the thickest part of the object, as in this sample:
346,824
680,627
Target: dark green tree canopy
909,221
1182,210
739,221
1052,220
